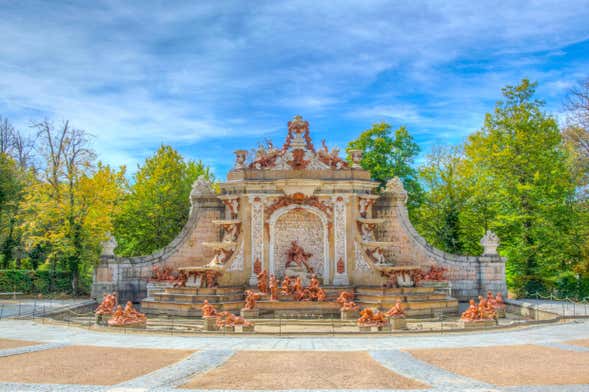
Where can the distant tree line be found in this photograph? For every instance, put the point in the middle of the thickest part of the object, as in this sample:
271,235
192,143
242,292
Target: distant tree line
520,175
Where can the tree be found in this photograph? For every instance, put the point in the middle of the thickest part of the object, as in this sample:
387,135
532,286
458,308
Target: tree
387,156
438,216
520,161
157,204
11,186
68,208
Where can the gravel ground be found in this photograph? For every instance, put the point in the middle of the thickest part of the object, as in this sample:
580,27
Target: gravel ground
512,365
579,342
271,370
85,365
11,343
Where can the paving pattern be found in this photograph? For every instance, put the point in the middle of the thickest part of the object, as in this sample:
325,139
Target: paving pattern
214,352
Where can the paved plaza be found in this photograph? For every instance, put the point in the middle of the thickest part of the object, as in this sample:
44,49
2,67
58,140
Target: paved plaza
42,357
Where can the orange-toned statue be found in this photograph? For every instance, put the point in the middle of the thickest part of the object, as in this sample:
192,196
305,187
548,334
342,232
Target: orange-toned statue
499,302
273,288
286,288
491,299
486,310
250,299
228,319
297,286
297,255
181,279
320,296
396,311
370,318
161,274
211,278
126,316
346,301
108,304
470,314
263,282
207,310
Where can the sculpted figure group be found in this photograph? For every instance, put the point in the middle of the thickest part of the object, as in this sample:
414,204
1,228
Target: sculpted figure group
346,301
222,319
108,305
127,316
485,310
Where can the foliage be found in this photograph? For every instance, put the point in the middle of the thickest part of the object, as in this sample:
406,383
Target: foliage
38,282
157,204
388,155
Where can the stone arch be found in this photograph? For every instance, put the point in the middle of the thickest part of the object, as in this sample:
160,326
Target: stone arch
304,232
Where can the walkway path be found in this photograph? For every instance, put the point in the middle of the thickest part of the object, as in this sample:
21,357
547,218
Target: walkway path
391,352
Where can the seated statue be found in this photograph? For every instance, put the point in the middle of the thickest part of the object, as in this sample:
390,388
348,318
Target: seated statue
108,304
396,311
126,316
369,317
273,288
472,313
207,310
250,299
499,302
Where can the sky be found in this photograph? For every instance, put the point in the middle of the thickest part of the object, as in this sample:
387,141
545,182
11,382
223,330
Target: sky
212,77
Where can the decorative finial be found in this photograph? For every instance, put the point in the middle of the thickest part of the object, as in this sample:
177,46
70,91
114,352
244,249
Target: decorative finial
109,246
490,242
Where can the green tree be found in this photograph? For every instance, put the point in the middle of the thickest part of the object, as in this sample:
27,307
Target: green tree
68,208
157,203
387,155
11,187
438,216
519,160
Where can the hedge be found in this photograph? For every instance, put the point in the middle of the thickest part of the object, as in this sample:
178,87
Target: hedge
36,282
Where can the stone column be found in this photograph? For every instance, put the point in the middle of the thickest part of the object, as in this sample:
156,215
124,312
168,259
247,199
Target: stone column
340,276
257,235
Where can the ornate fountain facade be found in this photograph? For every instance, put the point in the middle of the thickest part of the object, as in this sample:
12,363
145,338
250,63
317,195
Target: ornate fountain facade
300,211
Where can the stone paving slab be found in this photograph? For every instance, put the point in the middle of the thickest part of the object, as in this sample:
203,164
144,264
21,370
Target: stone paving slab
30,349
176,374
408,366
29,330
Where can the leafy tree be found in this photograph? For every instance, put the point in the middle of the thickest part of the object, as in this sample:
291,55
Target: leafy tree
68,208
519,160
157,204
11,186
387,155
438,216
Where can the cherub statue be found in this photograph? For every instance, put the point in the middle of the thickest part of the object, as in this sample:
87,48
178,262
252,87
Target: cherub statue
396,311
286,288
250,299
208,310
263,282
471,313
273,288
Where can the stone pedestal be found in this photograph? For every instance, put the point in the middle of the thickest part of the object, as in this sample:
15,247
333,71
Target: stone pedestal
229,328
398,323
101,319
364,328
249,313
349,314
298,272
248,328
209,323
477,324
385,328
500,312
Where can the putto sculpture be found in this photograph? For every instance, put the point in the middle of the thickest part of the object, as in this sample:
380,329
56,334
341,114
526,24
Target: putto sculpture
108,305
273,288
396,311
207,310
127,316
372,318
263,282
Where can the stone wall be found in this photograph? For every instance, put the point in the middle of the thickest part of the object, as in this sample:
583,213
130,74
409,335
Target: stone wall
469,276
129,275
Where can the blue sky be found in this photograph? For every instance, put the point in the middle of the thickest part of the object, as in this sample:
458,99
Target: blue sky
212,77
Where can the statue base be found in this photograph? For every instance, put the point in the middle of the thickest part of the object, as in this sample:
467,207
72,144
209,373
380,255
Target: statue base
477,324
385,328
248,328
349,314
209,323
229,328
299,271
500,312
249,313
364,328
398,323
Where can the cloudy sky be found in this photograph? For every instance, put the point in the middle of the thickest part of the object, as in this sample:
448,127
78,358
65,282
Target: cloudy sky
212,77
